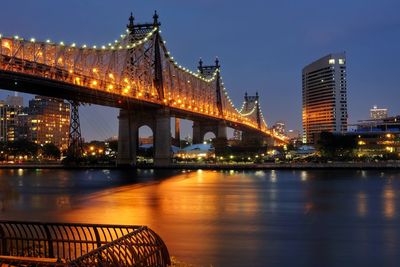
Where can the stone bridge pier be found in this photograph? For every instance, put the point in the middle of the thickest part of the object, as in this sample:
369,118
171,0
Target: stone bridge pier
254,138
200,128
128,136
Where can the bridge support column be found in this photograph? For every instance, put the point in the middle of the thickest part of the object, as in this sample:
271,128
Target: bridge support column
253,138
162,136
197,137
222,131
200,128
127,138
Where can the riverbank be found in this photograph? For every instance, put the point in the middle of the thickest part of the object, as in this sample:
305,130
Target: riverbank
227,166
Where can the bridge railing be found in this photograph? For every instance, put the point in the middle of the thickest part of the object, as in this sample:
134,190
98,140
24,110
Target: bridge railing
67,244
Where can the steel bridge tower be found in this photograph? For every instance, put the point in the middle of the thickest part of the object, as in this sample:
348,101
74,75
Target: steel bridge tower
75,147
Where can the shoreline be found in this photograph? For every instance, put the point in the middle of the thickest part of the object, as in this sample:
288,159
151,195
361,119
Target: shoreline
262,166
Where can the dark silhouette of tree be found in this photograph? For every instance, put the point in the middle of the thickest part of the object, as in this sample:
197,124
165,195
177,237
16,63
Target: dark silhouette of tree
336,146
113,145
51,151
22,148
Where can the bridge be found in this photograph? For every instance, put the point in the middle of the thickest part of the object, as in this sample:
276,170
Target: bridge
137,74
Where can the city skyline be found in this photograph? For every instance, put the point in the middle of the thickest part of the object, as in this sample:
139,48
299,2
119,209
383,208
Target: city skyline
370,46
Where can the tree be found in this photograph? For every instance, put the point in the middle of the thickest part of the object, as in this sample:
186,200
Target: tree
113,145
51,151
336,145
23,148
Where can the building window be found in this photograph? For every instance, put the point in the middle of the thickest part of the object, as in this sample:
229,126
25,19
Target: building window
331,61
341,61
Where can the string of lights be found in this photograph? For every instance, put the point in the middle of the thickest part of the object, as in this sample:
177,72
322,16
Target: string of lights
113,82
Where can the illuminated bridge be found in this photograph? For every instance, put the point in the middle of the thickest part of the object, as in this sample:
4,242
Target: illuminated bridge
137,74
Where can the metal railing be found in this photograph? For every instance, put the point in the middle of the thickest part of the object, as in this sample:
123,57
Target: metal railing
68,244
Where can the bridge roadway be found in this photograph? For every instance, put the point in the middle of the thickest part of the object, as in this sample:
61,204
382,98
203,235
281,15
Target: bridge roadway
140,78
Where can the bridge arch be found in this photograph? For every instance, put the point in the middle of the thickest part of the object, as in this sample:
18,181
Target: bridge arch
209,135
145,144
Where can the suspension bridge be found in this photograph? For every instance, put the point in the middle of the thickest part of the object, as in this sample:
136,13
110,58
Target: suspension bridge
137,74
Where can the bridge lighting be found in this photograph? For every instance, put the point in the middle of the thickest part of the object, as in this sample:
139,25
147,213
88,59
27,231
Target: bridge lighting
73,45
61,43
1,35
126,80
7,45
32,40
84,46
140,94
103,47
71,71
109,44
110,87
94,70
111,76
48,41
94,82
94,47
16,37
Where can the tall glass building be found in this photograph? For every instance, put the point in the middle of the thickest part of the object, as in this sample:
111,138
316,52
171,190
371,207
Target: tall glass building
324,97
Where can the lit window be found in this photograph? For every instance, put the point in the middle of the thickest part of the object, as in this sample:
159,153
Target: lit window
331,61
341,61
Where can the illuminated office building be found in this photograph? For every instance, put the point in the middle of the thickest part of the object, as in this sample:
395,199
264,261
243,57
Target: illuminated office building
378,113
324,96
48,121
9,111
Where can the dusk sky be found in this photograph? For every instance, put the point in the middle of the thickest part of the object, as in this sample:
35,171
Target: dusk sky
262,45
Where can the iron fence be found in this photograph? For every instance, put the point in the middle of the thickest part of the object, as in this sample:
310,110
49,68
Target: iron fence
69,244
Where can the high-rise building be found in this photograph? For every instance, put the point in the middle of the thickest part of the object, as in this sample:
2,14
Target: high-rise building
49,121
15,100
324,97
378,113
9,111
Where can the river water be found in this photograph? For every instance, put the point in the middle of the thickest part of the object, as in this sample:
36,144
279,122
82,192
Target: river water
227,218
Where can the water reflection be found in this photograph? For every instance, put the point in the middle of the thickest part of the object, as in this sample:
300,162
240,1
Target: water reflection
303,175
362,207
225,218
389,205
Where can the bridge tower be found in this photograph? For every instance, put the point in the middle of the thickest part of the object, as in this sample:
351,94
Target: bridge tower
251,137
75,147
201,127
159,120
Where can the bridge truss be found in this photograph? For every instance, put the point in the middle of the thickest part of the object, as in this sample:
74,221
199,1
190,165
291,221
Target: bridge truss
137,66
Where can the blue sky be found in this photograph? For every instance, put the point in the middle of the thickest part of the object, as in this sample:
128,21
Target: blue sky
262,45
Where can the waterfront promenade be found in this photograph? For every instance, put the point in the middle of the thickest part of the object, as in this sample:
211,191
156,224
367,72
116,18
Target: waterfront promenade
224,166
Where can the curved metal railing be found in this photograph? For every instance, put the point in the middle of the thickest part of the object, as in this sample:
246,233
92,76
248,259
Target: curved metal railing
68,244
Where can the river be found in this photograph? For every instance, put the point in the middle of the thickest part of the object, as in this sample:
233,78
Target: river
227,218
